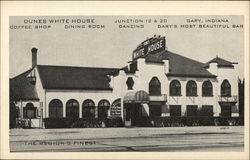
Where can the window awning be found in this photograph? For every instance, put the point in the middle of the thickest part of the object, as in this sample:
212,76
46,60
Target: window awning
136,97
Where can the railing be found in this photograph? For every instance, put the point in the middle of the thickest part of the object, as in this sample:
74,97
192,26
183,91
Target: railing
228,98
162,97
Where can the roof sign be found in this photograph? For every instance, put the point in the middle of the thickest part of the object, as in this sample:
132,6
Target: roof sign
150,46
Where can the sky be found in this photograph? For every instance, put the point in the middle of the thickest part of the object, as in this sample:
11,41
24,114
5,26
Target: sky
112,45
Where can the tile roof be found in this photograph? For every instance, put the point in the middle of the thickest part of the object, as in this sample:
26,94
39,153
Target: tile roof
89,78
153,59
182,66
221,62
22,89
67,77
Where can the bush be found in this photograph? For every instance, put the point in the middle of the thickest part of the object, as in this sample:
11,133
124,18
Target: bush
169,121
88,123
82,123
58,122
229,121
206,121
196,121
114,122
143,122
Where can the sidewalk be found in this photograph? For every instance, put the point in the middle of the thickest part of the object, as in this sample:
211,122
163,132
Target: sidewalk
128,139
92,133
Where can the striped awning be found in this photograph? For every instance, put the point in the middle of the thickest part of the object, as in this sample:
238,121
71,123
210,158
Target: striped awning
136,97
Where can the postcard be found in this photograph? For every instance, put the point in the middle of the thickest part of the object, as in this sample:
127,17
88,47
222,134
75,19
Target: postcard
89,84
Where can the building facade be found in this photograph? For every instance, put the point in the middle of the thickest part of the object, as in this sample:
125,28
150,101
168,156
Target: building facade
155,83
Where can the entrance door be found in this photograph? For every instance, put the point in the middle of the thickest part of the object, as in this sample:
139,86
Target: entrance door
226,111
136,115
133,114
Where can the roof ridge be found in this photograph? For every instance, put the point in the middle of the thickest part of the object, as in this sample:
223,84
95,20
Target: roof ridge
76,67
220,62
25,72
167,51
219,58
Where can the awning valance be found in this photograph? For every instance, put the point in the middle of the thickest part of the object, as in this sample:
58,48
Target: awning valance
136,97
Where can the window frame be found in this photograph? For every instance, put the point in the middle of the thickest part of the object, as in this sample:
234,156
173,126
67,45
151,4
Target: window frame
225,91
57,106
154,87
72,110
102,107
203,109
191,107
175,88
87,109
226,111
191,89
29,107
205,91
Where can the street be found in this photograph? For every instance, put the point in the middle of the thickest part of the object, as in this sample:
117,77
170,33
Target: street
168,139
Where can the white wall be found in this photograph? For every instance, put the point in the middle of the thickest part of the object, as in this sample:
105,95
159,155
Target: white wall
36,122
197,100
141,82
230,75
148,70
80,96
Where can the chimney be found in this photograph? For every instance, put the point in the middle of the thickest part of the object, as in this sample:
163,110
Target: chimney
166,66
34,57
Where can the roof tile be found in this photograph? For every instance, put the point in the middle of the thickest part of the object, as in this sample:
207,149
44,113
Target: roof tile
22,89
183,66
221,62
67,77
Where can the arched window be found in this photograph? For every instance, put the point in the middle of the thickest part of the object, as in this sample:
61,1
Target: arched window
88,109
72,109
55,108
191,88
207,89
225,88
154,86
175,88
103,107
29,111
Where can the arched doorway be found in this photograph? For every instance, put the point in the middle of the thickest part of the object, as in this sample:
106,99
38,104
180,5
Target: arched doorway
72,109
88,109
133,107
103,107
55,108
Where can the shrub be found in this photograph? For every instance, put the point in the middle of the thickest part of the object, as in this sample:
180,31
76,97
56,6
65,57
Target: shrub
114,122
183,121
206,121
229,121
145,122
58,122
82,123
88,123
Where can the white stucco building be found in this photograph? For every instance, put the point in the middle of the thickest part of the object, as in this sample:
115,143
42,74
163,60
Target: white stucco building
155,83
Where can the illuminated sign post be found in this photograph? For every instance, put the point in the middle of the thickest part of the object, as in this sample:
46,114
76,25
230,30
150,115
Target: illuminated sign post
115,110
150,46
